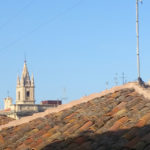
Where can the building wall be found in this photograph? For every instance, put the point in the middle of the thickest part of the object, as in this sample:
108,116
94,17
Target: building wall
22,93
7,102
22,110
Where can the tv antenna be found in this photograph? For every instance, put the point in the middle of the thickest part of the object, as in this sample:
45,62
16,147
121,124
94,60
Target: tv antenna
64,98
116,79
123,77
137,34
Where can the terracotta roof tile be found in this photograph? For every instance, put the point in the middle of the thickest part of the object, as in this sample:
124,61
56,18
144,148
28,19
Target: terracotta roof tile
118,123
70,116
120,112
86,126
1,140
146,138
5,119
131,134
131,144
117,108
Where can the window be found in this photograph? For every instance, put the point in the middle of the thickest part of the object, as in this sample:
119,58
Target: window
18,95
28,94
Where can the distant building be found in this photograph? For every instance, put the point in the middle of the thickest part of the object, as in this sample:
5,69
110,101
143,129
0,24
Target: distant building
25,100
52,103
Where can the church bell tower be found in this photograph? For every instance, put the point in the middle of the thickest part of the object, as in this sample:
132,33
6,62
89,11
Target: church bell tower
25,88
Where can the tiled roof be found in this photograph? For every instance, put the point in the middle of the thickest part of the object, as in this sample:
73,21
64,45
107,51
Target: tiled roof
117,121
4,119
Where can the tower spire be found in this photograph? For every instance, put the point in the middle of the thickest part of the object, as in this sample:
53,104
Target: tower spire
18,80
24,57
25,72
25,78
32,80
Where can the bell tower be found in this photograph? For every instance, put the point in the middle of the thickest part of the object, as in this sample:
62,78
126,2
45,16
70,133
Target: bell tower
25,88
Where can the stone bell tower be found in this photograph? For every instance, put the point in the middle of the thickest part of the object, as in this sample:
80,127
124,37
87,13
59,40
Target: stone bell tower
25,88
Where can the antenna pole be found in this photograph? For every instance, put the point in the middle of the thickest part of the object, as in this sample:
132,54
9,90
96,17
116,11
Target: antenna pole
137,33
123,78
116,79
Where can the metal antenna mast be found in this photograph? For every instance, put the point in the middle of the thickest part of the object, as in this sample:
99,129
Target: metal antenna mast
116,79
123,78
64,95
137,33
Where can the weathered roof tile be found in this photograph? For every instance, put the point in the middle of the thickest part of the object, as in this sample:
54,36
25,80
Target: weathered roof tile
118,123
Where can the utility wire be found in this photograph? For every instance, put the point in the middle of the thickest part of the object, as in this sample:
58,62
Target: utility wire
16,15
42,25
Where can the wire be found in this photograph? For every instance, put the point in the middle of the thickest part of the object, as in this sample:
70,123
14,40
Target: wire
16,15
42,25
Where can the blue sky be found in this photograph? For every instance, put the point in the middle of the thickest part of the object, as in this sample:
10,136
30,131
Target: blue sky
77,45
